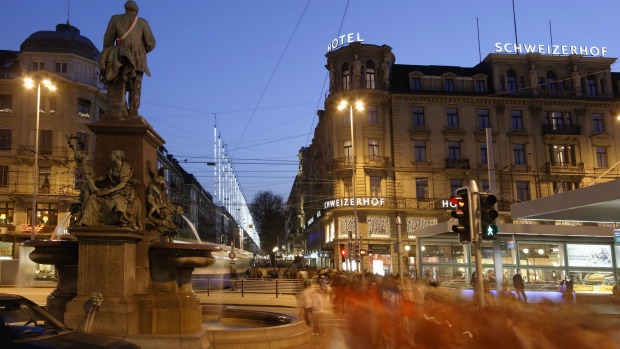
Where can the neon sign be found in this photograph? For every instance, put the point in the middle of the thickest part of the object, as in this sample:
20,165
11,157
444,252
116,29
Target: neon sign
344,39
350,202
27,228
560,50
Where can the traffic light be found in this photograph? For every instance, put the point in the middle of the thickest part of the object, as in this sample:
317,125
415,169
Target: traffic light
343,251
356,250
488,214
461,213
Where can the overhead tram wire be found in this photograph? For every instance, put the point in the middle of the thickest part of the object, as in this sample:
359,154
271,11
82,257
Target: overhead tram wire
325,79
271,77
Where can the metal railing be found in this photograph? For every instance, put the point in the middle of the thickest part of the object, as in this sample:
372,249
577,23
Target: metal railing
269,286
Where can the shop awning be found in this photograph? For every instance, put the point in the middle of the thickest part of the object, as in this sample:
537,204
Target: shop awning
596,203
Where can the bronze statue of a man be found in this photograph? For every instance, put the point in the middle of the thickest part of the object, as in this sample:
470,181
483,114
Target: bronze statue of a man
126,42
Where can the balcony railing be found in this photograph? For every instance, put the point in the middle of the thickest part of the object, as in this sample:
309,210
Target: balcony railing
561,129
457,163
376,161
573,168
557,93
343,163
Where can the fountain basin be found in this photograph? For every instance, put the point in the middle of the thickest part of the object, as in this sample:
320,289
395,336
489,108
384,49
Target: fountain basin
54,252
236,327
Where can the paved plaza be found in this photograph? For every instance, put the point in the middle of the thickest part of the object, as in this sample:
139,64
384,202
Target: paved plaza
334,328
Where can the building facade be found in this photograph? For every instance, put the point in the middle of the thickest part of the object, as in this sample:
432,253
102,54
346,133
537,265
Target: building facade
69,61
422,134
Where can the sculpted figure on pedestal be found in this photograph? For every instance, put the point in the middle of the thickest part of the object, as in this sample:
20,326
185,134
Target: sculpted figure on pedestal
116,201
126,42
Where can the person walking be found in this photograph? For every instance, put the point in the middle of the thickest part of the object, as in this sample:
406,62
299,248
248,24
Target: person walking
519,285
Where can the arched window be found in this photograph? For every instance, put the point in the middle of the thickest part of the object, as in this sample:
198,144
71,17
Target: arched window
369,74
346,77
551,81
511,81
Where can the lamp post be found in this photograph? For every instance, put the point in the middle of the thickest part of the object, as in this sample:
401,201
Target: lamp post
359,106
400,248
30,83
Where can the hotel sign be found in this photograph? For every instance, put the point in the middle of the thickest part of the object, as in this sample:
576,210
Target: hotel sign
558,50
350,202
344,39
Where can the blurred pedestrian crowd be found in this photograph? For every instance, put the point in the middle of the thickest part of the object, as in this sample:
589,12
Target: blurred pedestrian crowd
385,313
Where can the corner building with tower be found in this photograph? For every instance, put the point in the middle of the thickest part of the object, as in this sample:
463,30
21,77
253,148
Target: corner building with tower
422,135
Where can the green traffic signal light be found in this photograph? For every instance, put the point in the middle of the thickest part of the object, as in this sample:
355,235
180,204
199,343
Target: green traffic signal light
488,214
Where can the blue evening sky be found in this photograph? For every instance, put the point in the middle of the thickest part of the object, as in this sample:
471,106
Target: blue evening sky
257,67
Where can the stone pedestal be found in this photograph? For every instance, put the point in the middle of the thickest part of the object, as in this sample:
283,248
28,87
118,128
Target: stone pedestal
137,139
106,265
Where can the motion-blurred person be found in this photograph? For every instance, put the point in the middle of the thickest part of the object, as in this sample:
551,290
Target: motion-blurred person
317,310
304,300
519,285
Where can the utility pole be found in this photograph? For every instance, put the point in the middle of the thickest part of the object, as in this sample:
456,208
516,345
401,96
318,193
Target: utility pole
474,214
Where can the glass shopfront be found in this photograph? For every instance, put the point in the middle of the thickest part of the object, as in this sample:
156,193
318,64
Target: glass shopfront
593,267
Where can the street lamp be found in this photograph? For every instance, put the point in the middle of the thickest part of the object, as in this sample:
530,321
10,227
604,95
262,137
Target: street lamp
30,83
527,263
359,106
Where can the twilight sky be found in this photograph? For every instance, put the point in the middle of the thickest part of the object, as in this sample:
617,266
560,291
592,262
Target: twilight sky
256,68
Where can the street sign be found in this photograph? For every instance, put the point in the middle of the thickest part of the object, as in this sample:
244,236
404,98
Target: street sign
231,255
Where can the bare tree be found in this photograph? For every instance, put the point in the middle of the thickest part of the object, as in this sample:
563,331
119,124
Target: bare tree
267,212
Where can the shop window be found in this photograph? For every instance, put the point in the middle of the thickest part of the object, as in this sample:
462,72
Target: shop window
6,213
46,213
434,252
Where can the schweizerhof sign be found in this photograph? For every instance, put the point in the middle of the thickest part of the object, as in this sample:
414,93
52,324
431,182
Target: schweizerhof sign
558,50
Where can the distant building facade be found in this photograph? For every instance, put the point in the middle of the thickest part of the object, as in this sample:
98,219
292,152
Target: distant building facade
69,60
